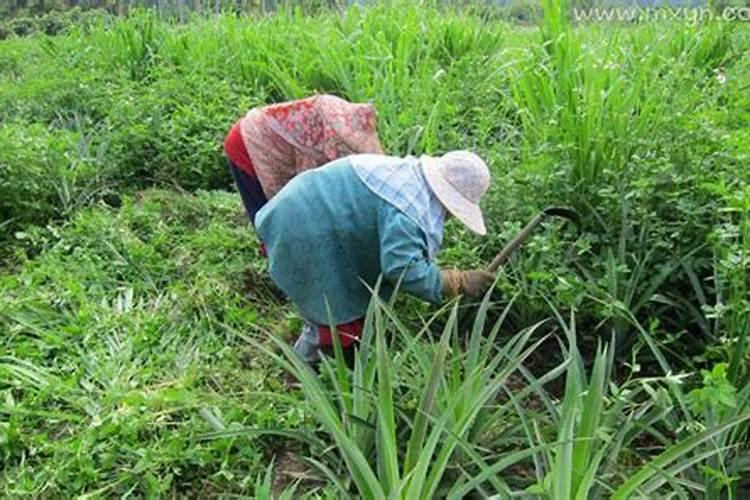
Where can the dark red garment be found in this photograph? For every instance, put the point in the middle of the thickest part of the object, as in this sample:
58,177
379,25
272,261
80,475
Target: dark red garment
234,148
348,333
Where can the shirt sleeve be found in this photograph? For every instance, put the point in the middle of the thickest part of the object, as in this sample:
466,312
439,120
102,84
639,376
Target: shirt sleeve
404,259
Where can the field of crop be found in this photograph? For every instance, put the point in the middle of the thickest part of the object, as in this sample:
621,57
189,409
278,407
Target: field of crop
143,348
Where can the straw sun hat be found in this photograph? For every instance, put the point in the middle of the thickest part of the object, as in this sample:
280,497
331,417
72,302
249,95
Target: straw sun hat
459,179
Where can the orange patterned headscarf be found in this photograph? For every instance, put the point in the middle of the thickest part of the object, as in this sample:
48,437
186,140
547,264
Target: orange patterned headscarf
288,138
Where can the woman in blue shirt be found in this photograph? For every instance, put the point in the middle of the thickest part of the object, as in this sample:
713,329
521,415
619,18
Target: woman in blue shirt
332,232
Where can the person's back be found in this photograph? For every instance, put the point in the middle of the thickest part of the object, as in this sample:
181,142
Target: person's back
323,215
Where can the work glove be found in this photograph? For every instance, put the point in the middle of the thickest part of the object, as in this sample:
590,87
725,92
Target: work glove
470,283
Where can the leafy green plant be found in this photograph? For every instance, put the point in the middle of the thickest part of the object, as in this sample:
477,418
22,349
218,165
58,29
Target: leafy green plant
733,308
717,394
715,402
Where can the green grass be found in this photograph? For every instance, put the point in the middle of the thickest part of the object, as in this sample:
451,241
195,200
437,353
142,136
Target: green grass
142,351
112,360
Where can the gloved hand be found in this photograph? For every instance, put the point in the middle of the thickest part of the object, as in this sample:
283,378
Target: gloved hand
475,282
470,283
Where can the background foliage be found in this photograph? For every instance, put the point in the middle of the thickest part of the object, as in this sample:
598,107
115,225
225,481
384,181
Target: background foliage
128,313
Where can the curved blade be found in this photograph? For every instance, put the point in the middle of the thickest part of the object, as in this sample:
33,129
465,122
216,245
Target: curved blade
566,213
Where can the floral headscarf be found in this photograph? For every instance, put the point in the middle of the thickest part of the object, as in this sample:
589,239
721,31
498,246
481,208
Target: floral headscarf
288,138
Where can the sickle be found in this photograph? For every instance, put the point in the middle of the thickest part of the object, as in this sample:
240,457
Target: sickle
524,234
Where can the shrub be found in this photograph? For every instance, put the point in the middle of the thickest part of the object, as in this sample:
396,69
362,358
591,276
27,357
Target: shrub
23,26
5,30
44,174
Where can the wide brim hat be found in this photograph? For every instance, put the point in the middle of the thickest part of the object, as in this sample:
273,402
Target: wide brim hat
459,179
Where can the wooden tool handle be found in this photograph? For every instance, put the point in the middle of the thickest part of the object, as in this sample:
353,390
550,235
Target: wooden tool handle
516,242
521,237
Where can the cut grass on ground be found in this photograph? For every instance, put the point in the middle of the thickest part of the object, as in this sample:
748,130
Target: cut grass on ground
120,362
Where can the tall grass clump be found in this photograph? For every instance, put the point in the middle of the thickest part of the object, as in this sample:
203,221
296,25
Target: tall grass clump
416,418
604,100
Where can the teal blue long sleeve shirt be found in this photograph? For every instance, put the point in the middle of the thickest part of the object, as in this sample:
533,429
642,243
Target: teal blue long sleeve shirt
329,237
